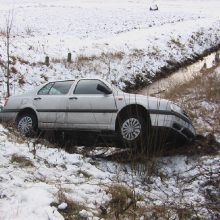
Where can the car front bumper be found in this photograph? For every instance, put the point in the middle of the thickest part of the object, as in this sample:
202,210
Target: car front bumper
179,124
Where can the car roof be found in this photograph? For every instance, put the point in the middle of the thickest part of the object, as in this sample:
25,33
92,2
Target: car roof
77,79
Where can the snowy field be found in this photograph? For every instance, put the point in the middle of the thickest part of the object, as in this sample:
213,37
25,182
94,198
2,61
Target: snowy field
121,41
118,40
33,178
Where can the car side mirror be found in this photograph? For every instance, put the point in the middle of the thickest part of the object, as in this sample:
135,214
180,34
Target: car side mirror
104,89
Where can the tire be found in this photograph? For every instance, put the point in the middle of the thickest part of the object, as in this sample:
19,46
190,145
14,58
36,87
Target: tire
134,131
27,124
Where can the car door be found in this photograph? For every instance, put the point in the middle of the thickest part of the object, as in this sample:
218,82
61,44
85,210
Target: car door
89,107
51,103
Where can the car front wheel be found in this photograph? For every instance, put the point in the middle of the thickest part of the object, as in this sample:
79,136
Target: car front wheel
134,131
27,124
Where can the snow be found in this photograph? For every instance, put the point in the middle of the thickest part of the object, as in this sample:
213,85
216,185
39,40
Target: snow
123,36
63,205
85,214
28,192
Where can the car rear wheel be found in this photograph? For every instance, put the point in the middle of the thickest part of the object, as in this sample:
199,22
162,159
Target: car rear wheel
27,124
134,131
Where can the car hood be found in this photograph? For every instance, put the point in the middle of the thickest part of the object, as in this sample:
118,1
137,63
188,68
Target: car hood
148,101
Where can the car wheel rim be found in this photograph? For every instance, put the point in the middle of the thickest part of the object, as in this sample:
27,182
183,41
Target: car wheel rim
130,129
25,125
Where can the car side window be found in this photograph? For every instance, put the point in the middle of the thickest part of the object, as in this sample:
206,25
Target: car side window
88,86
45,90
57,88
61,88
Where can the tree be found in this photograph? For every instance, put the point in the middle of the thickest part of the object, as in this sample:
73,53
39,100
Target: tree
9,23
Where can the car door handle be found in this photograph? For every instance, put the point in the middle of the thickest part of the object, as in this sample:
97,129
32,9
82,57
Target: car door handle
73,98
38,98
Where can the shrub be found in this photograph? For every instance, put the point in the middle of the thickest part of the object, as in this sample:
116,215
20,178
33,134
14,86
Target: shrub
22,161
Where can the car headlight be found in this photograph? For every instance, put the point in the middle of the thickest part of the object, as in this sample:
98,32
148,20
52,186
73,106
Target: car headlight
176,108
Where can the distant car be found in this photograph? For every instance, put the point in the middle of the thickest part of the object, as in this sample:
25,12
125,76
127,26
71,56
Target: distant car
95,105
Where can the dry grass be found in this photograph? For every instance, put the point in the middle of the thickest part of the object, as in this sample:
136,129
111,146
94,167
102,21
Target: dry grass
73,208
176,41
21,80
22,61
205,85
116,55
201,98
22,161
13,135
2,32
168,212
122,200
13,60
137,53
124,205
84,59
58,60
84,173
43,76
14,70
29,31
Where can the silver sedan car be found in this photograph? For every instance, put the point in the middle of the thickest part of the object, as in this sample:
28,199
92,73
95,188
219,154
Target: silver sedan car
96,105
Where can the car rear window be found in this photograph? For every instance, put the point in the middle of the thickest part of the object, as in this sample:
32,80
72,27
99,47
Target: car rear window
56,88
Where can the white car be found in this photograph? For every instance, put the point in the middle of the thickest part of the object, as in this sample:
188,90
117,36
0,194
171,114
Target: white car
95,105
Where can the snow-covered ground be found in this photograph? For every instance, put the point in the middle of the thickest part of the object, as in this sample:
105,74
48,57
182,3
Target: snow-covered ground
181,186
118,40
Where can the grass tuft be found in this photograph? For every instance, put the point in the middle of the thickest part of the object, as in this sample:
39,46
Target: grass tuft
22,161
84,173
73,208
122,199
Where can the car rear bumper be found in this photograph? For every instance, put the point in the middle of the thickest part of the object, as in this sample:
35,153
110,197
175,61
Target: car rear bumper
7,116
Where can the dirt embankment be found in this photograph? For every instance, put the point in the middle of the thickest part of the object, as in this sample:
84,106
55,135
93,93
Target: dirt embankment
140,81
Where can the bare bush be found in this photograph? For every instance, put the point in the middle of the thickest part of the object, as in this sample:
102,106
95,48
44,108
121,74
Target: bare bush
9,23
